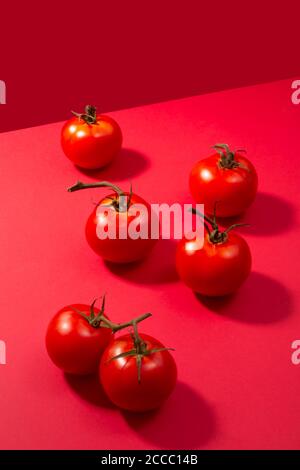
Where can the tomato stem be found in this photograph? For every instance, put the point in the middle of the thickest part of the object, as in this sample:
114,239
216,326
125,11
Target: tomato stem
89,116
120,326
140,348
99,184
227,156
214,233
212,222
121,204
95,320
235,226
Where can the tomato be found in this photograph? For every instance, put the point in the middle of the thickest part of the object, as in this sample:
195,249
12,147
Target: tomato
91,140
227,177
217,267
112,212
74,342
137,377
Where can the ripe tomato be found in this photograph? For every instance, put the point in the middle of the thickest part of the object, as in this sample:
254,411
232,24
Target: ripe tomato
137,379
112,212
227,177
74,342
91,140
217,268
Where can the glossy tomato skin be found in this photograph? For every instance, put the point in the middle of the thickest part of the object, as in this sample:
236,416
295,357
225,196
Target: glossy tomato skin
215,269
91,146
73,344
234,190
120,250
119,377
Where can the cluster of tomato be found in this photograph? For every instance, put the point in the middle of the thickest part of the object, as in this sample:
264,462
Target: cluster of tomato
136,371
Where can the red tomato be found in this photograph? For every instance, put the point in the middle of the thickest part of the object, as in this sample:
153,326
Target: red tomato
75,343
120,377
91,140
226,177
111,212
217,268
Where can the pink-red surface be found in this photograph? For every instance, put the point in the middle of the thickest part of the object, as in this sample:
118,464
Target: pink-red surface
237,385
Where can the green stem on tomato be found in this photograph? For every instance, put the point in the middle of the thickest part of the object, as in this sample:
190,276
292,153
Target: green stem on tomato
95,320
89,116
205,218
215,234
99,184
121,204
140,348
227,156
120,326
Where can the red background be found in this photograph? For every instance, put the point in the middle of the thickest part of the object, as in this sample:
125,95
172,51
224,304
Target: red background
60,55
237,386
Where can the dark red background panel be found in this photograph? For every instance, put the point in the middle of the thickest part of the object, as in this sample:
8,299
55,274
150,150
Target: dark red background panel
57,56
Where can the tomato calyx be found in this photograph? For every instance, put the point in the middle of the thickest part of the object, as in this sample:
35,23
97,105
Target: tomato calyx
216,236
99,320
120,202
93,319
89,116
227,157
139,350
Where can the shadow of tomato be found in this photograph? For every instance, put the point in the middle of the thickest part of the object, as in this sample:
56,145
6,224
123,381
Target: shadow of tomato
268,215
157,268
185,421
128,164
260,300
